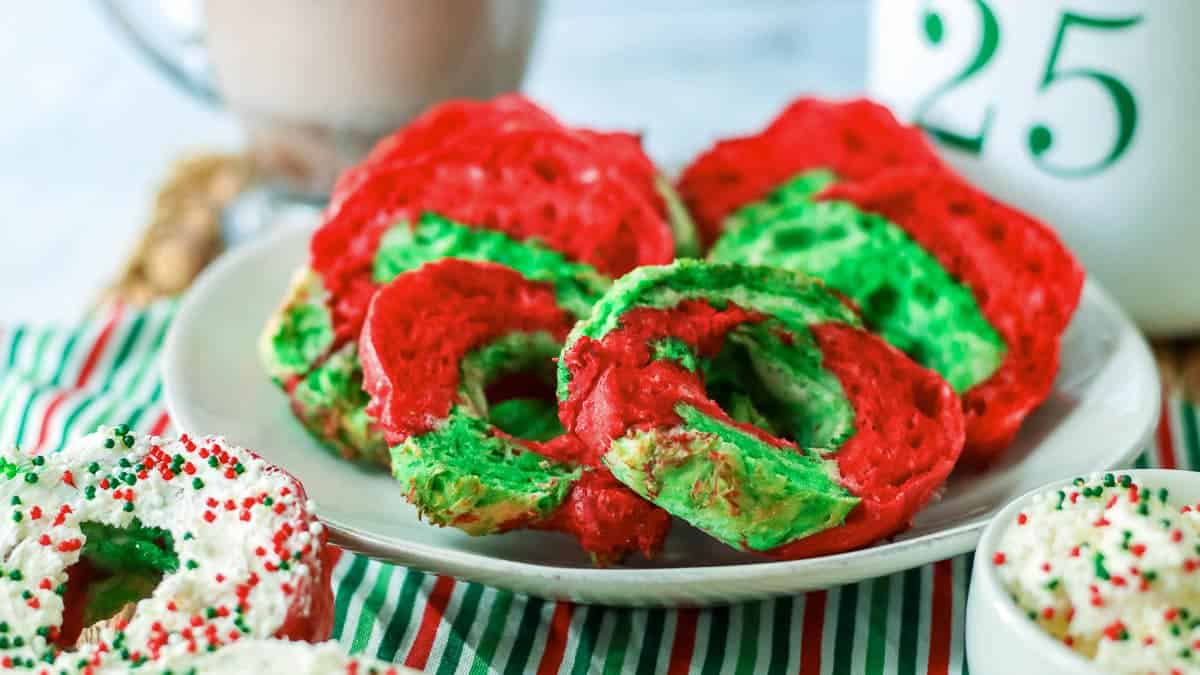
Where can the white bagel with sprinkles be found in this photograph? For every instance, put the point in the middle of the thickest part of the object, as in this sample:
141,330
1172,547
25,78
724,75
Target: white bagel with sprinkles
162,547
274,656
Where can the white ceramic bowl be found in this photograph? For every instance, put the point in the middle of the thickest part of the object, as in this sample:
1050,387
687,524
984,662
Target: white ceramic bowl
1001,640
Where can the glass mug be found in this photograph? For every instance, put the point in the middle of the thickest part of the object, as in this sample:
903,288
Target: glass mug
1081,112
317,83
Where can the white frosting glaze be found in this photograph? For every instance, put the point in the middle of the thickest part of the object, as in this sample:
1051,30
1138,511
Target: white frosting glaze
1112,569
248,546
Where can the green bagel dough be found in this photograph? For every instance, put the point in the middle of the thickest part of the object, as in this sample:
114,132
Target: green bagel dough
721,479
527,418
903,292
300,331
462,474
330,402
133,561
730,484
404,248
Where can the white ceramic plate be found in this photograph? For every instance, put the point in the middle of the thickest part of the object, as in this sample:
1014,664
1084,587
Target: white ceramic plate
1101,413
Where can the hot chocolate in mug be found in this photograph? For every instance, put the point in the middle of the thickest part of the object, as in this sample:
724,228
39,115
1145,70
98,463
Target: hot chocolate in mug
1083,112
317,82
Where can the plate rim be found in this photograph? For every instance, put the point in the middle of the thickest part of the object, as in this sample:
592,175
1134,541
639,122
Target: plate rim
637,586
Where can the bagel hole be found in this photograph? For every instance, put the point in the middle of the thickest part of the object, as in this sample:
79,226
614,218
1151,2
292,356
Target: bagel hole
749,382
522,404
511,383
117,568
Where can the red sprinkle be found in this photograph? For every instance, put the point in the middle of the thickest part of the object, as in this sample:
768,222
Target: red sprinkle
68,478
1177,536
1022,519
1138,550
1113,630
209,516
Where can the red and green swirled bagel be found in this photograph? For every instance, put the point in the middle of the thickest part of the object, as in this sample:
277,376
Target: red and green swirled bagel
467,122
528,180
963,284
444,344
161,547
750,402
854,139
326,392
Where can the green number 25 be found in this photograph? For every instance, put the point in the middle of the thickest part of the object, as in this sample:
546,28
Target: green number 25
1040,138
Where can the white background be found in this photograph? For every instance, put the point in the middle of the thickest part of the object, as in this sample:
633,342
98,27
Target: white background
87,128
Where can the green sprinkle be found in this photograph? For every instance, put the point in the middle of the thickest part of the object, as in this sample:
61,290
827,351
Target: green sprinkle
15,501
1149,575
1098,563
123,463
1052,584
89,492
1126,480
39,460
121,429
93,467
16,516
110,443
1110,480
1162,495
239,469
192,564
128,507
213,461
31,478
1143,509
1078,481
211,612
188,536
197,483
128,441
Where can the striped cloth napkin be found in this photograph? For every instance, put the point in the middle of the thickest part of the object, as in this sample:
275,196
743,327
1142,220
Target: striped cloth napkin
60,382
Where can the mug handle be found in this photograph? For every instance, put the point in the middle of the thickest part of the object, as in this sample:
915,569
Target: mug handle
170,36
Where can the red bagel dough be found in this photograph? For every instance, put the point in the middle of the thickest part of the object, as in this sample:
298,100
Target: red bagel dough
424,323
854,139
529,184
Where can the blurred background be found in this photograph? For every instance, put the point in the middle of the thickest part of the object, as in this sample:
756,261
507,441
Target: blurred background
90,129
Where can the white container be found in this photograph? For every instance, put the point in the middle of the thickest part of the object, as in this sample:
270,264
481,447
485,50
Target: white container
1083,112
1001,640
